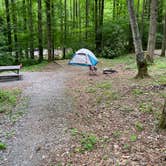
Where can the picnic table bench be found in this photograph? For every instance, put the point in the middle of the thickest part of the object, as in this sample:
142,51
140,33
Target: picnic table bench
15,69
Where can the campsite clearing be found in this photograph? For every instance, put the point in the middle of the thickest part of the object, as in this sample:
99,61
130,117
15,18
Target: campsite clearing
76,119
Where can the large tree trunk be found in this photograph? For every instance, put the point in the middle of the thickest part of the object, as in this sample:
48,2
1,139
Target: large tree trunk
99,13
141,60
40,31
48,13
14,19
24,6
87,19
8,26
164,38
65,29
162,124
152,30
31,41
53,29
142,18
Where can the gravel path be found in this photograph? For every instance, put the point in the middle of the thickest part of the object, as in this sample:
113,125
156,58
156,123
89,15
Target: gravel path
42,130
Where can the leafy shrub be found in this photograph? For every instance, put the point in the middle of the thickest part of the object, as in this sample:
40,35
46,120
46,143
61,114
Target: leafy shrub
6,59
2,146
28,62
115,35
88,142
133,138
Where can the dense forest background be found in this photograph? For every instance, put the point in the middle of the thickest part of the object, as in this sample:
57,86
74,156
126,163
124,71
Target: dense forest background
102,26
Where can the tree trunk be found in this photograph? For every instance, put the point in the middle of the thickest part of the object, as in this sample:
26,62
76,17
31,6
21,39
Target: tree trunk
142,18
8,26
152,30
162,124
99,13
48,15
40,31
31,40
164,38
14,19
65,29
114,9
140,58
87,20
24,6
53,29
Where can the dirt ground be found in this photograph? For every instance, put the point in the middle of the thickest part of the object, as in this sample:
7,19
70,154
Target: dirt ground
115,121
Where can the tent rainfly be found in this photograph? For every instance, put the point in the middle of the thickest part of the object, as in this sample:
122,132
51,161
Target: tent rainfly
84,57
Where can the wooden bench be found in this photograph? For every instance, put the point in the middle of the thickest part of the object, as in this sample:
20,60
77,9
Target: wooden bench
15,69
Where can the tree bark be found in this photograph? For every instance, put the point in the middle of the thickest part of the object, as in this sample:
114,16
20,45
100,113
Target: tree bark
99,13
31,40
40,31
8,26
162,124
14,19
53,29
86,20
164,38
142,18
65,29
152,30
140,58
24,6
48,15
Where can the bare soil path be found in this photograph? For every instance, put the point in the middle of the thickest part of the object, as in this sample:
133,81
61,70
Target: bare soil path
42,130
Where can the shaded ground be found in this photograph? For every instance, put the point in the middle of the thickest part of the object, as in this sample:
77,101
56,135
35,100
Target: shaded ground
114,120
43,129
116,117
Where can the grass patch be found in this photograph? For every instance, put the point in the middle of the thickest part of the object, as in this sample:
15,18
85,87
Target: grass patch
8,99
104,85
139,126
91,90
145,108
137,92
106,97
35,67
117,134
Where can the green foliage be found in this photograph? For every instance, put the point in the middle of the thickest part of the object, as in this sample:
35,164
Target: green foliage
35,67
6,59
139,126
133,138
137,92
145,107
90,90
74,132
117,134
88,142
2,146
115,34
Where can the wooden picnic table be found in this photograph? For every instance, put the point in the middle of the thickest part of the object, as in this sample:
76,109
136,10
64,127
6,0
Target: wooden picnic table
15,69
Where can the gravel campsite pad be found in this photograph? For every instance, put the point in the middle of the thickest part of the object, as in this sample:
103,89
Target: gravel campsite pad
43,128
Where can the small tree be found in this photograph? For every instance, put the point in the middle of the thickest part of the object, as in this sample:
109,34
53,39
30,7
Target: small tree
162,124
140,58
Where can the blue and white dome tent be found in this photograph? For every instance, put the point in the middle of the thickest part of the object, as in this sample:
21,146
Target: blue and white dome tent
84,57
